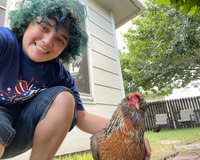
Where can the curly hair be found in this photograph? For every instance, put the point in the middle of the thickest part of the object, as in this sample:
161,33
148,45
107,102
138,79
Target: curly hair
59,11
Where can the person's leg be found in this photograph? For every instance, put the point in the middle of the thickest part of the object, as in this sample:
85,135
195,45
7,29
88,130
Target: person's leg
44,108
51,131
2,148
6,130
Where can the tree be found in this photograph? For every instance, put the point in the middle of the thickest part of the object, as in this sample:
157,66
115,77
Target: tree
163,52
191,7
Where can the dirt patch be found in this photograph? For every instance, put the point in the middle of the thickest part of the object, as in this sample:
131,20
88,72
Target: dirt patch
189,147
188,152
168,142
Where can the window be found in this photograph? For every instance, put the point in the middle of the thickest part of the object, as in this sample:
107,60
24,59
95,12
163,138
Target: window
2,11
79,70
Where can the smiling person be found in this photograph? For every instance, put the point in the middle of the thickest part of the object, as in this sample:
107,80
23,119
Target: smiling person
39,101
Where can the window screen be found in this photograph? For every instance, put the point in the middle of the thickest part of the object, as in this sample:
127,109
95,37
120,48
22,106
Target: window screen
2,11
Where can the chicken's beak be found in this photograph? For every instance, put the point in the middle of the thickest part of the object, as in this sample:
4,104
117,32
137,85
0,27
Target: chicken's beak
137,106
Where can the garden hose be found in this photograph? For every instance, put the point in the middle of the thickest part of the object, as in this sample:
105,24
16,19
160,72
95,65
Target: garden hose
176,151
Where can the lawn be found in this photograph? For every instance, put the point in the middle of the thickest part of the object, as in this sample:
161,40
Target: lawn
84,156
159,150
184,136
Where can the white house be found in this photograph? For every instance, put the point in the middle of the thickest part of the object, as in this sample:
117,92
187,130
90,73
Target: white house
100,82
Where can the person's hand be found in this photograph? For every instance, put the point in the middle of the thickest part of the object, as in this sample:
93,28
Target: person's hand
147,148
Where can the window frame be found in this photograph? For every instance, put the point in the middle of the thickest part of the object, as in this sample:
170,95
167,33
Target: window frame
88,97
4,8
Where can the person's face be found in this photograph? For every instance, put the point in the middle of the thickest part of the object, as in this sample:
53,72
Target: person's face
41,42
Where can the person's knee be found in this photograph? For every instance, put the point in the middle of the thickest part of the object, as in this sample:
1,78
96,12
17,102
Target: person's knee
2,148
65,100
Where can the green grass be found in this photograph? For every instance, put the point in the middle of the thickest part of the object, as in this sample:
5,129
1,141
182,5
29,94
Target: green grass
158,149
184,136
83,156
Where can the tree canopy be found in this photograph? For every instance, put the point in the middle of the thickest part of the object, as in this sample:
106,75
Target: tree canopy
191,7
163,52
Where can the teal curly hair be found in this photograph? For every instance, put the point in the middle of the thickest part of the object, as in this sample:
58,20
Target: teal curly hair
59,11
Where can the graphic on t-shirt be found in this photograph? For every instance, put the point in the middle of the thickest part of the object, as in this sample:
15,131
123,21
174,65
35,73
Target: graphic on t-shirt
22,91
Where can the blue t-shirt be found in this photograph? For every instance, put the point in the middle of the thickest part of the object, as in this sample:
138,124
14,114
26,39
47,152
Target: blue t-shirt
21,78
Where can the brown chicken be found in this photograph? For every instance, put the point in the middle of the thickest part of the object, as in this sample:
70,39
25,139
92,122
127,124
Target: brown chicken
123,137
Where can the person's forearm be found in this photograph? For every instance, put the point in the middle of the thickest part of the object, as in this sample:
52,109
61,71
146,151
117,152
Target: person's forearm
90,123
147,148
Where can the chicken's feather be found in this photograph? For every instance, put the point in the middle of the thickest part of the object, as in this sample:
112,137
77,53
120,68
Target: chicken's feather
122,138
94,144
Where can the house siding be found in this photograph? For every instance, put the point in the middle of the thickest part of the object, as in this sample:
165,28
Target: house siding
105,66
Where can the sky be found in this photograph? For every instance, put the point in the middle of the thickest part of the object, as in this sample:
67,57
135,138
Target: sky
123,29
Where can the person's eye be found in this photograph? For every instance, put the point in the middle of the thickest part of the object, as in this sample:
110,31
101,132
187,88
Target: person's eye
43,27
60,40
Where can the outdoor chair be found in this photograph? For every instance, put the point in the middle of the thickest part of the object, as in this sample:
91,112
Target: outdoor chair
162,119
187,116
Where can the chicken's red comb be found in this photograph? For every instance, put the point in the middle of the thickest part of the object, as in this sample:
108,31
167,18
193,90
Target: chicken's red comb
132,98
132,95
136,95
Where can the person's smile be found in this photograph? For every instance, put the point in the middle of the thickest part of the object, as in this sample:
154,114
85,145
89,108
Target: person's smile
42,43
40,49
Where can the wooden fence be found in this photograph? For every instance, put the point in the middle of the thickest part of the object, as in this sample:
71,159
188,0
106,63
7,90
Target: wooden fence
172,108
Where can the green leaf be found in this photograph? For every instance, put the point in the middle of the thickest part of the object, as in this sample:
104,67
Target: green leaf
159,1
162,1
178,5
193,10
185,9
173,2
127,70
166,1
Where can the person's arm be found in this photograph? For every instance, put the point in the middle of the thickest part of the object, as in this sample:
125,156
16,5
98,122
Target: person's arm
147,148
90,123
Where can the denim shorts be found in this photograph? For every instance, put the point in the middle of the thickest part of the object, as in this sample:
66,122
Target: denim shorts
18,123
